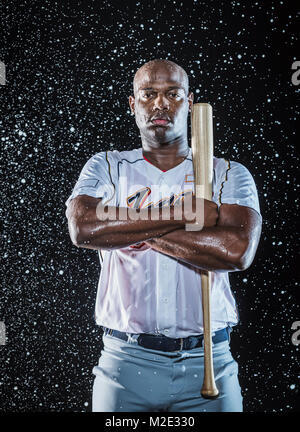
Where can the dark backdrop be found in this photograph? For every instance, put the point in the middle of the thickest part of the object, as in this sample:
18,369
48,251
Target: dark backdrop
69,71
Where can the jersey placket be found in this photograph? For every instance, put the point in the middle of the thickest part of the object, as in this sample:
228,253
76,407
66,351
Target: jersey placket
166,285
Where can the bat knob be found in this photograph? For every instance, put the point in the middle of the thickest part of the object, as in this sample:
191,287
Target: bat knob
211,393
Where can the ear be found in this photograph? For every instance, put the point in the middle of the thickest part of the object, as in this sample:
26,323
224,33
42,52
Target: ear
190,100
131,104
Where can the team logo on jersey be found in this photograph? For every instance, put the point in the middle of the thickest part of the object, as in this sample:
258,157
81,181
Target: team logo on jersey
138,198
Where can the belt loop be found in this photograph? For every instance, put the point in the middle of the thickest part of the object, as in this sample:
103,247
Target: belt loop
110,331
229,330
181,345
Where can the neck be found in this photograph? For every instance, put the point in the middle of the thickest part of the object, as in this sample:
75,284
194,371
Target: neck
166,156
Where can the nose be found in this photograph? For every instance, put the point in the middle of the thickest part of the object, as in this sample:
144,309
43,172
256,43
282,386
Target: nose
161,103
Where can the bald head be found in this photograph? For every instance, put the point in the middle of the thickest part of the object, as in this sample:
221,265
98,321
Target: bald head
153,67
161,90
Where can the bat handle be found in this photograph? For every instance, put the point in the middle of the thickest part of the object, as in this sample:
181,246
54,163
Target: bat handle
209,389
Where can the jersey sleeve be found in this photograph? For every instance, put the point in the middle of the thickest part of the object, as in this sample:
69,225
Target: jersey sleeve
96,179
237,186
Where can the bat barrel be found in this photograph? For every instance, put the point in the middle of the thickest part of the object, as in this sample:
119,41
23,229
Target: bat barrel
202,147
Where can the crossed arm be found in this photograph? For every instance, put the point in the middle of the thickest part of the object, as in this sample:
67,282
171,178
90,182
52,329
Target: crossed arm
227,242
230,245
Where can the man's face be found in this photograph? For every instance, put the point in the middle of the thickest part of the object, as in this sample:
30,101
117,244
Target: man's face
161,103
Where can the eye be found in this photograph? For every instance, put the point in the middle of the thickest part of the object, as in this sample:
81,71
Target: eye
174,95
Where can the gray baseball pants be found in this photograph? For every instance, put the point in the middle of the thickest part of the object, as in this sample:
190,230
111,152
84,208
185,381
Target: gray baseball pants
131,378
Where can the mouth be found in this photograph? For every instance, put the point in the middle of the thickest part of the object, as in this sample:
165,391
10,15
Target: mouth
160,121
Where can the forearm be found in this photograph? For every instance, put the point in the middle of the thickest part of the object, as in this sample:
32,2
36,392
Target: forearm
215,248
87,229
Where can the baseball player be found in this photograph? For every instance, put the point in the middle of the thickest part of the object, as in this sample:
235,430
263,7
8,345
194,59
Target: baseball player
149,293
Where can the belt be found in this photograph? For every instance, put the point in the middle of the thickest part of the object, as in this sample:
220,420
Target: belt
164,343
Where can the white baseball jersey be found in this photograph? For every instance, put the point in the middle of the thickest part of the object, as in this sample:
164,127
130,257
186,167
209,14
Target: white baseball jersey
143,290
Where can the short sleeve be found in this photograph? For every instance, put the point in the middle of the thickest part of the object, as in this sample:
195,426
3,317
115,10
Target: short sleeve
237,186
96,179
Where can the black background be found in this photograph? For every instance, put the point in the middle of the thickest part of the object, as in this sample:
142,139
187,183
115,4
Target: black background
69,70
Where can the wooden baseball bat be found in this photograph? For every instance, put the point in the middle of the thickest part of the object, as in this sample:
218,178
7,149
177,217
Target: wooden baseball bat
202,151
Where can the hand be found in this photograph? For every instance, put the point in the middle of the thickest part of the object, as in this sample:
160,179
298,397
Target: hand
205,209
